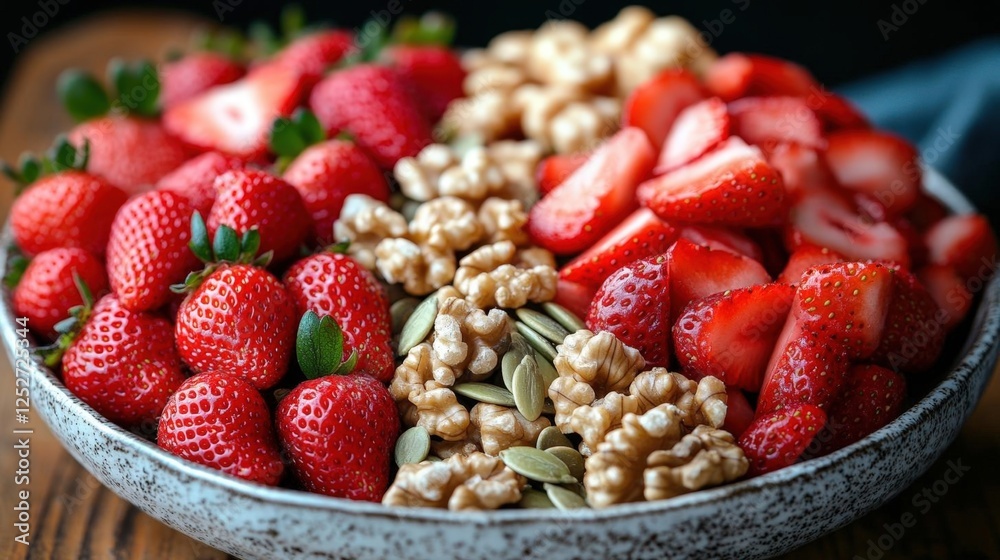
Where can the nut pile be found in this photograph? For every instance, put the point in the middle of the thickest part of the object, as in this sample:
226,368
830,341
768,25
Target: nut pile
563,85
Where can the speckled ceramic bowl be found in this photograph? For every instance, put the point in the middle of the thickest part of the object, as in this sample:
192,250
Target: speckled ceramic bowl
753,519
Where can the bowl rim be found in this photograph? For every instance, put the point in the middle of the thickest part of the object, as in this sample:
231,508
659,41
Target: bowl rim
976,350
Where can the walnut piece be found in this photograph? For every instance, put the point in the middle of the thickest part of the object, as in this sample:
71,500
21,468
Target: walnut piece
421,387
446,223
468,339
705,457
445,449
489,115
566,119
617,35
503,220
461,482
421,269
614,472
488,278
667,42
500,427
517,161
438,171
560,53
364,222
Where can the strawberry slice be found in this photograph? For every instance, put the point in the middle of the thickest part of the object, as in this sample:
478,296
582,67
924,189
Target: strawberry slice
236,118
698,272
594,199
739,413
699,129
826,219
632,305
768,121
575,297
641,235
804,258
877,163
731,335
777,440
949,292
805,368
872,397
836,112
964,242
654,105
555,169
739,75
926,212
723,239
914,334
803,169
733,185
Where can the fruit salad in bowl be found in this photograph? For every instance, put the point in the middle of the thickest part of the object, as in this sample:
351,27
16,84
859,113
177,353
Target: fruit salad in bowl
584,292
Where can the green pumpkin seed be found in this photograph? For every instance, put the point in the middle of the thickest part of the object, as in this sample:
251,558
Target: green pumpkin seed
401,311
418,325
433,459
547,371
564,499
412,446
542,324
572,458
533,499
512,358
564,316
536,464
552,437
529,395
537,341
485,392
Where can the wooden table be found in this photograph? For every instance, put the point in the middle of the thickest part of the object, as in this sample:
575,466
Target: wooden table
75,517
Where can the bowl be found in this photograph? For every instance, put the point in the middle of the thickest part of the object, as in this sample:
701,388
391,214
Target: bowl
756,518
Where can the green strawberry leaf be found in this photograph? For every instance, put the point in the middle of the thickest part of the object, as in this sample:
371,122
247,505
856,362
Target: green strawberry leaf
319,345
66,325
249,245
199,243
85,293
339,247
137,85
69,328
310,129
293,21
191,282
226,244
348,365
82,95
31,168
285,138
433,28
15,270
264,38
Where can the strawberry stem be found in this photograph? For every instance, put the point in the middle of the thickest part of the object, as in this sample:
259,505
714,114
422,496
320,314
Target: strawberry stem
319,347
62,156
69,328
226,247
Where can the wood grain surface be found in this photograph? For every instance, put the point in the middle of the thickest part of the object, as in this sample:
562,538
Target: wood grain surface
73,516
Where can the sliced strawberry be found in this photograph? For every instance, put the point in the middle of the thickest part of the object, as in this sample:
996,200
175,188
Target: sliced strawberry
872,397
949,292
698,272
698,129
828,220
926,212
915,243
739,413
555,169
594,199
654,105
731,335
804,258
633,305
846,304
768,121
236,118
723,239
878,163
803,169
641,235
964,242
739,75
777,440
914,334
575,297
836,112
733,185
805,368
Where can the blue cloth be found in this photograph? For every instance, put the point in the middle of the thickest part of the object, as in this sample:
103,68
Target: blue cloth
949,106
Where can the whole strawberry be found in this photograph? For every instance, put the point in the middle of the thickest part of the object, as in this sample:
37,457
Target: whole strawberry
376,106
195,73
220,420
122,363
314,53
435,72
250,198
333,284
337,430
47,291
148,249
195,179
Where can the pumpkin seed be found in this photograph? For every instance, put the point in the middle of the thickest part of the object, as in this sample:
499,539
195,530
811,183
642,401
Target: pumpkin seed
401,311
533,499
529,395
572,458
542,324
433,459
547,371
562,498
518,349
552,437
418,325
485,392
537,341
412,446
536,464
577,488
564,316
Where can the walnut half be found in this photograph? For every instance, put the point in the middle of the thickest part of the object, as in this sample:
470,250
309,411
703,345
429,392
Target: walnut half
705,457
462,482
